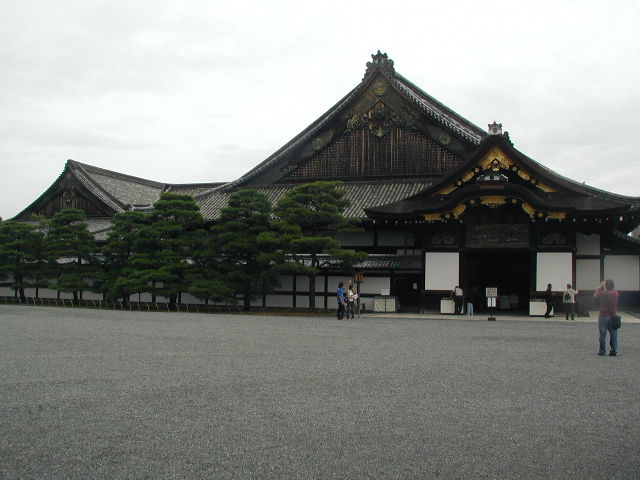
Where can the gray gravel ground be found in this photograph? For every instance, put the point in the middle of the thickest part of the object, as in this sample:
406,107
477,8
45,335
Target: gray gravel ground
103,394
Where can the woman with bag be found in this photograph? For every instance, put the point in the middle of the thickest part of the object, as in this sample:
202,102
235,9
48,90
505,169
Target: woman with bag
608,309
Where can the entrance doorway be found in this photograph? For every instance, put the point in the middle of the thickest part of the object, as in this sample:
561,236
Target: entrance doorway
406,289
509,271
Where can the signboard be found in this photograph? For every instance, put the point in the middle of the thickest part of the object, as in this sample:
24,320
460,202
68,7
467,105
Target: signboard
498,235
384,291
491,292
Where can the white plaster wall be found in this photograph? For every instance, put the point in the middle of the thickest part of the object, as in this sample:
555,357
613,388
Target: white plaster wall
319,283
144,297
441,270
554,268
395,238
587,274
188,298
91,296
358,239
302,283
587,244
623,270
6,292
257,301
333,282
286,283
302,301
279,301
374,285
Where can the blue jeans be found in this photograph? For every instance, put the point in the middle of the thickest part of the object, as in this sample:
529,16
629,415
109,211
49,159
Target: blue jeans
604,327
470,309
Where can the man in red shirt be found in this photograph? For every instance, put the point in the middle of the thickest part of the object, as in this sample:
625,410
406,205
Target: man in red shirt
608,308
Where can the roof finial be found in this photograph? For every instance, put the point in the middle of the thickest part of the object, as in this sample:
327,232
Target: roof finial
380,61
495,128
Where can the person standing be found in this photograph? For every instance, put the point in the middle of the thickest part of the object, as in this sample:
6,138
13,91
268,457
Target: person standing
340,297
569,301
352,296
608,308
548,298
458,298
470,300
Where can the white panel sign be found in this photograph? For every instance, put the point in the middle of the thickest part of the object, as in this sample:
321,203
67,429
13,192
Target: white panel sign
374,285
441,270
587,274
623,270
554,268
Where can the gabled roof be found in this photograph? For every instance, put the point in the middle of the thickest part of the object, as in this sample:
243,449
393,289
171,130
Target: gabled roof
381,66
116,188
112,191
539,187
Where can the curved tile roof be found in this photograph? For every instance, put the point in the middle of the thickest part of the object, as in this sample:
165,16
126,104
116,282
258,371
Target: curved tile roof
361,195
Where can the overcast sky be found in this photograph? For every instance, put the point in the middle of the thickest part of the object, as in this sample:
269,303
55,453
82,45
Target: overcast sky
185,92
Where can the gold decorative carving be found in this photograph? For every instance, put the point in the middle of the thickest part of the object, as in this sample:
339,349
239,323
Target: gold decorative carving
529,210
493,201
545,188
379,87
444,138
353,121
321,140
68,196
459,210
446,190
468,176
496,160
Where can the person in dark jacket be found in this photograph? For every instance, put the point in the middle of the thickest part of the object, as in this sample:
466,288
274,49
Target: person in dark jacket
608,308
548,298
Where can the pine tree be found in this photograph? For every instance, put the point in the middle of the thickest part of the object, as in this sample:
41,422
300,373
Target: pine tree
163,247
21,255
308,218
117,252
70,250
244,264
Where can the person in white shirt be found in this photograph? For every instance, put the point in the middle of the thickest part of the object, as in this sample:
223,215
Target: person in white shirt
458,297
352,296
569,301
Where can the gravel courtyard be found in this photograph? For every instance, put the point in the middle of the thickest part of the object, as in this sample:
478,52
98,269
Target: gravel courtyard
109,394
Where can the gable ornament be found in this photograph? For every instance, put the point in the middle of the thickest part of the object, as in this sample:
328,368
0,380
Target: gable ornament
68,196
